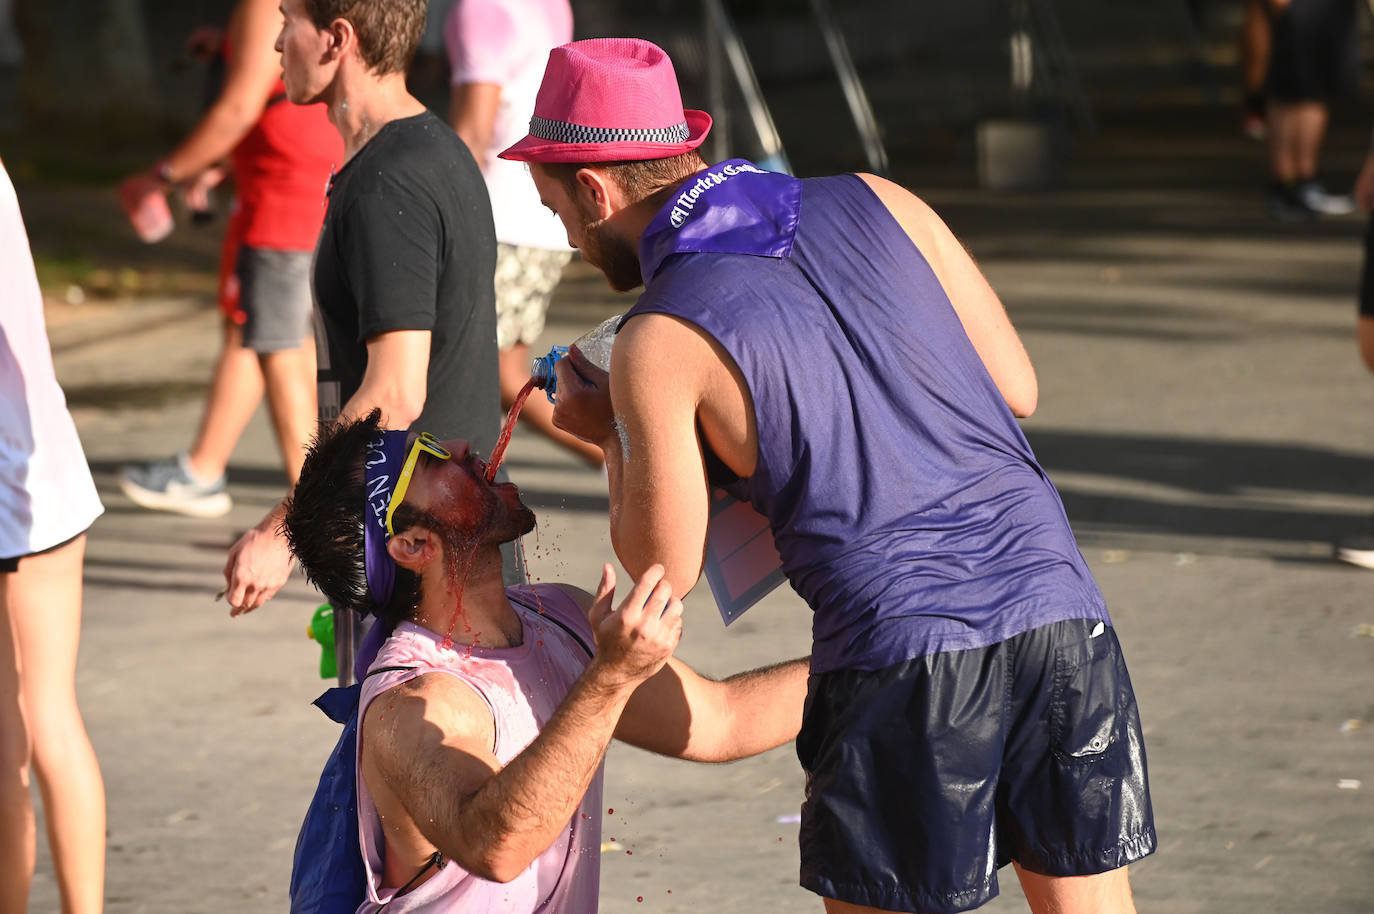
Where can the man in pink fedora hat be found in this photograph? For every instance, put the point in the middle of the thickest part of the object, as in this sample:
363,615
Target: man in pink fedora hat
827,350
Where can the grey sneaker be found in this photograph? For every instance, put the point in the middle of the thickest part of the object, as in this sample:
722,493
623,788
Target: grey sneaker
167,485
1357,550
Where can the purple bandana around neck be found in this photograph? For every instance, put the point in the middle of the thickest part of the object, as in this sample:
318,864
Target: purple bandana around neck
381,467
733,207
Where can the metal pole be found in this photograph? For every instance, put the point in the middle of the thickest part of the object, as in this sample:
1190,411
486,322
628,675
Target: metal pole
715,86
1057,51
854,94
774,158
345,643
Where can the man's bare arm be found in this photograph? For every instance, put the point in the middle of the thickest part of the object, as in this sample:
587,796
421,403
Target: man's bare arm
472,111
396,378
680,713
492,821
250,71
260,562
656,470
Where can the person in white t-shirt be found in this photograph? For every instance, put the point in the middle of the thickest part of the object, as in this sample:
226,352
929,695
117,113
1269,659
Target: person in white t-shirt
497,50
47,502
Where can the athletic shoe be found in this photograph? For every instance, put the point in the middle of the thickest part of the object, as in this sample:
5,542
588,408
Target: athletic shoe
1357,550
1285,205
1316,198
167,485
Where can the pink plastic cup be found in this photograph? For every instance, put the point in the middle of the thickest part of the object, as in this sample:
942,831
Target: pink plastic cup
148,213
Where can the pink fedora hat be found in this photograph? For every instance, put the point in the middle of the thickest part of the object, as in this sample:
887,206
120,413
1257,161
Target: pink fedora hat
609,100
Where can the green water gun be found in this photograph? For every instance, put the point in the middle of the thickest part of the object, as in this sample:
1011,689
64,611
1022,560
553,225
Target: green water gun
321,631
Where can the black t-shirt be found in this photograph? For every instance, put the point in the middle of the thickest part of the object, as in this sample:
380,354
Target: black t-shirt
408,244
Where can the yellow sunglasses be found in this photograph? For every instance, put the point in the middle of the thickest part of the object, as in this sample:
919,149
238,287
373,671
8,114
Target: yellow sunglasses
430,445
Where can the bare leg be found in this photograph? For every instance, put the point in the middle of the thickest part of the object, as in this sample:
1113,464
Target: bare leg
43,600
1364,333
1309,135
1296,133
1283,164
17,841
1254,47
235,390
290,379
538,411
1104,893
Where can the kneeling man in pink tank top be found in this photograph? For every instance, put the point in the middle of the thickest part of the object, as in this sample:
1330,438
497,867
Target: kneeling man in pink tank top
486,711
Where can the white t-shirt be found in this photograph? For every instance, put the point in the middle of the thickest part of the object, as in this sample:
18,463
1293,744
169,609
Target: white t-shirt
47,495
507,42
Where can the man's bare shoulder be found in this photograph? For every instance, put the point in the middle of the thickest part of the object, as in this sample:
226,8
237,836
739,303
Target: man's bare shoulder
654,329
922,225
654,345
432,708
909,210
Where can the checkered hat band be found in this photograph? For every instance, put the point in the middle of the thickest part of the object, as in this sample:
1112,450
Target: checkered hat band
563,132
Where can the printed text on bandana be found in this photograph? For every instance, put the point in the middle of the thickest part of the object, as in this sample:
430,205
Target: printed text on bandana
687,199
379,487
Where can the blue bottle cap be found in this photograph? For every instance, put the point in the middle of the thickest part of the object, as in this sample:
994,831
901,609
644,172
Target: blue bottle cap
542,373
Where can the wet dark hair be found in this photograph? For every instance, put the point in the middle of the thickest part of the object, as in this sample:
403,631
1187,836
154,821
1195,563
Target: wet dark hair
388,30
639,179
324,522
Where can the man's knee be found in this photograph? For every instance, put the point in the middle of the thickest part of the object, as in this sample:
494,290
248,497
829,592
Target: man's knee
1100,893
16,741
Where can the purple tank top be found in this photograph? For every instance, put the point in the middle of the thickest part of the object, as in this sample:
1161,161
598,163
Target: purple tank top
906,504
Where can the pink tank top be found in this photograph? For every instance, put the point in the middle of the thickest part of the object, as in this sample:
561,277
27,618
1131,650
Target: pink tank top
523,686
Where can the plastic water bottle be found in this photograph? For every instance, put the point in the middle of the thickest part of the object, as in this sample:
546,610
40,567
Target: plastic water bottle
321,631
596,343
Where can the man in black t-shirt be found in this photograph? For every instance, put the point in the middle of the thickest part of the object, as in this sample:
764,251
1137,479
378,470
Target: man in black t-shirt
403,276
408,246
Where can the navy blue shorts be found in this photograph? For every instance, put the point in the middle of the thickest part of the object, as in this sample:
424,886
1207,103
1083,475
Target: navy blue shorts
924,778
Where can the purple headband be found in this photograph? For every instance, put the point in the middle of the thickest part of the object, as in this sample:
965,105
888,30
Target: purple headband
381,467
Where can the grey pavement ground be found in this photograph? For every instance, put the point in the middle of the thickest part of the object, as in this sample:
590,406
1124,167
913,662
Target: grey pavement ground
1202,410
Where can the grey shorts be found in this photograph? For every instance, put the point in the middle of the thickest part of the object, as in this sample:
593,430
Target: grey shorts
525,280
274,296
